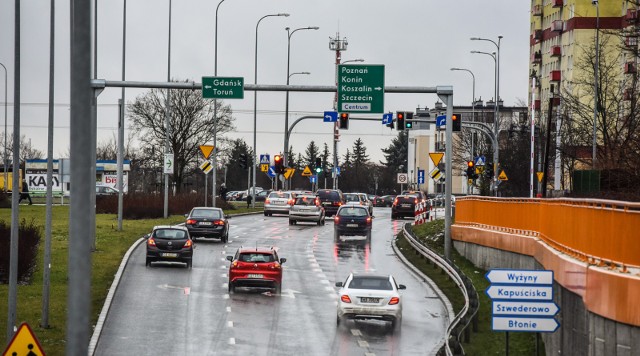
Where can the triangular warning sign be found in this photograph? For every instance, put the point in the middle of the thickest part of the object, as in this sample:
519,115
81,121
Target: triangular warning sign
206,150
307,172
503,176
24,342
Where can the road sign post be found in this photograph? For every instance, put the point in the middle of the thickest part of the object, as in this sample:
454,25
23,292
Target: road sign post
361,88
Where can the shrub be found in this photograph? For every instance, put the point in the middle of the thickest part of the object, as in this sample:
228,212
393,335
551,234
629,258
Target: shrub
29,238
5,199
151,206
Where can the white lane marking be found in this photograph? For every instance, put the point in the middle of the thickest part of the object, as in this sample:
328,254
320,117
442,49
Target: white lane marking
356,332
223,252
226,296
224,275
229,324
325,281
223,267
315,264
223,259
228,309
369,354
363,344
232,341
329,288
225,285
317,270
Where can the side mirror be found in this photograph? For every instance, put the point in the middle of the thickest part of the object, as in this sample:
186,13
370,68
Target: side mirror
147,236
402,286
230,258
283,260
186,215
339,284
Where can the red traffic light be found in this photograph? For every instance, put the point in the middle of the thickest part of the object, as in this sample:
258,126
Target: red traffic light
277,159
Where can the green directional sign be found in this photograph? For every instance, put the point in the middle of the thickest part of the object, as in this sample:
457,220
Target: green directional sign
222,87
361,88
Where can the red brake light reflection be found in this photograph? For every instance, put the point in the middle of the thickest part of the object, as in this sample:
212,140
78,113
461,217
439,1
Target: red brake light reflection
394,301
345,298
415,201
188,243
395,201
191,222
266,201
369,220
218,222
336,219
151,242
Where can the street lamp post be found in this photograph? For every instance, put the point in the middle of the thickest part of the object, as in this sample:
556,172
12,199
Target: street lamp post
496,150
215,113
473,102
286,113
6,174
595,84
255,108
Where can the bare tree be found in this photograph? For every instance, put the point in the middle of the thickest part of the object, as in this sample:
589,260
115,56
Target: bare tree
191,124
26,149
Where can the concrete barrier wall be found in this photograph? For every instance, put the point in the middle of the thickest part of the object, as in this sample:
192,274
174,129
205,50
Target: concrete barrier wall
581,332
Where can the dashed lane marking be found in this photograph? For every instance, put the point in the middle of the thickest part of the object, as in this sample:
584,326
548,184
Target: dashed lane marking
232,341
229,324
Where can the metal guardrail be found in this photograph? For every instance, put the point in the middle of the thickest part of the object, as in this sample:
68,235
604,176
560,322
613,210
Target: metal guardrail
461,321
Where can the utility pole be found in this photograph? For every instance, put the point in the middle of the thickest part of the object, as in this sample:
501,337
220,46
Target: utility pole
338,45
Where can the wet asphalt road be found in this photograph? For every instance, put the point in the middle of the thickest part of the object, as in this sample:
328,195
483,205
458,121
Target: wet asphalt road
168,309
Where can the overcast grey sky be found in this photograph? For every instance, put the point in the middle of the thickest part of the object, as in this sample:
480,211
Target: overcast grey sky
417,41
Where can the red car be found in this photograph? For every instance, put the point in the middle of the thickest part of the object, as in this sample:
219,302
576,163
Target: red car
256,267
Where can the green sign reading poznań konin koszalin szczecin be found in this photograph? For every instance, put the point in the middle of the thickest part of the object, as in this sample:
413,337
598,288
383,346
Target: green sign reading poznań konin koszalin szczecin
361,88
222,87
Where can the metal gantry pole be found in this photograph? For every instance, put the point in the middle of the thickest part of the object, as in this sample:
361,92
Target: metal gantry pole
448,98
6,174
167,122
13,252
79,286
596,69
120,182
46,270
215,114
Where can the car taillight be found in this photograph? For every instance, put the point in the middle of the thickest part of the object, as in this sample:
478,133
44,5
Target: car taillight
188,243
395,201
234,264
275,265
317,201
218,222
290,202
191,222
345,298
415,201
151,242
266,201
369,220
336,219
394,301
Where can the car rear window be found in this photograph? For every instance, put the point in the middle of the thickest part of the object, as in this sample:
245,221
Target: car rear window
329,194
206,213
257,257
305,201
351,197
171,234
370,283
352,212
284,195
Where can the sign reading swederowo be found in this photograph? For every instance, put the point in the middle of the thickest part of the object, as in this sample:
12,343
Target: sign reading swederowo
361,88
222,87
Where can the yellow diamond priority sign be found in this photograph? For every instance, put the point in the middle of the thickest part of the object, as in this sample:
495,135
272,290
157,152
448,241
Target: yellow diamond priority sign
24,342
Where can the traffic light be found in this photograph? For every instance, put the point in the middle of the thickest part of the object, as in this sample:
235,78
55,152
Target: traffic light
400,120
278,164
488,170
408,123
471,170
456,122
244,163
344,120
318,167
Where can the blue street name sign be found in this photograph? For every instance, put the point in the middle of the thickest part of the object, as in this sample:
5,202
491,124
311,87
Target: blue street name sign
265,159
544,325
330,116
387,118
272,172
520,277
420,176
441,120
338,171
536,309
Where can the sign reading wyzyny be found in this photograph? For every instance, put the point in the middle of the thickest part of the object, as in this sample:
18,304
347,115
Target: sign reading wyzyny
361,88
522,300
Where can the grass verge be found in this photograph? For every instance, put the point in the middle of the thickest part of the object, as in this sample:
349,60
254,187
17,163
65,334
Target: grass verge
485,341
111,245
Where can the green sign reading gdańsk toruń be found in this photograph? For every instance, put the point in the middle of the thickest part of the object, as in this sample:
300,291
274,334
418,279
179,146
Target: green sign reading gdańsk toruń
361,88
222,87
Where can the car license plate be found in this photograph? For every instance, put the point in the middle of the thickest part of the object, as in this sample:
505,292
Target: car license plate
167,254
352,225
252,275
278,203
204,223
406,205
369,300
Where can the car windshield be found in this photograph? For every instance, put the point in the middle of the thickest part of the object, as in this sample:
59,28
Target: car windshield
351,197
352,212
206,213
377,283
284,195
257,257
170,234
305,201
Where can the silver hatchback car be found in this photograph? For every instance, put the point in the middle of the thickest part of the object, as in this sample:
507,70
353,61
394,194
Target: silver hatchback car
306,208
278,203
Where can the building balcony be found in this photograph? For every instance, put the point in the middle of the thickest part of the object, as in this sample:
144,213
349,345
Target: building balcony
537,10
555,51
537,35
536,105
631,42
630,68
555,76
536,57
557,3
631,16
557,26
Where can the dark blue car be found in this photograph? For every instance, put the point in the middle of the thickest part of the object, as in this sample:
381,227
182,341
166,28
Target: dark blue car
352,220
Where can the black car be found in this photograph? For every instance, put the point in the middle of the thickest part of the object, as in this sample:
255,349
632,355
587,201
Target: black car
208,222
352,220
331,200
404,205
384,201
169,244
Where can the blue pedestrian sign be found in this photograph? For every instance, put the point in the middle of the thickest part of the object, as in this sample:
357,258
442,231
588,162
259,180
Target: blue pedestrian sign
441,120
480,160
387,118
313,179
265,159
272,172
330,116
420,176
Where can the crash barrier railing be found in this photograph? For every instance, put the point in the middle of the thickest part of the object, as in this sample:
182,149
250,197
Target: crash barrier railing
462,321
598,232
